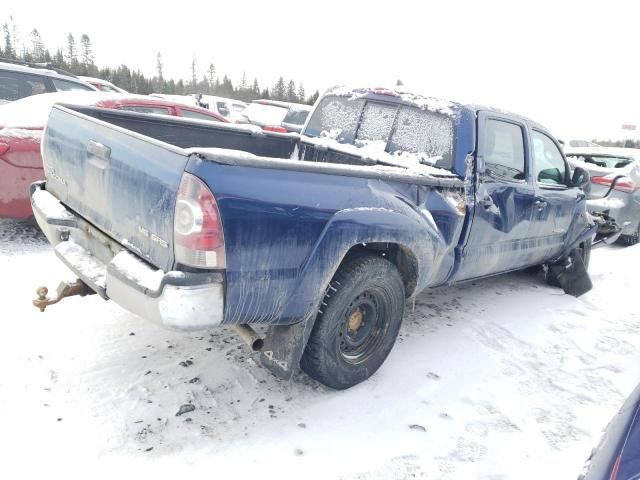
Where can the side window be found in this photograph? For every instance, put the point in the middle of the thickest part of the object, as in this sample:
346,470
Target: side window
504,150
144,109
223,109
64,86
198,115
15,85
549,166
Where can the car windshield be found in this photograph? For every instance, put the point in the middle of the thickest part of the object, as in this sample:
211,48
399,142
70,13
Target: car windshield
397,128
603,161
262,114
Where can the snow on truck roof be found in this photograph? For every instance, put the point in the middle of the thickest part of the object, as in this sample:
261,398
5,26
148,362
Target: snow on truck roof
433,104
33,111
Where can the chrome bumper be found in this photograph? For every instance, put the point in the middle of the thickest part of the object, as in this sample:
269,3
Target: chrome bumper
175,299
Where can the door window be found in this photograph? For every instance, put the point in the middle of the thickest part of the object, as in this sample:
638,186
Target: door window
549,165
198,115
15,85
504,150
65,86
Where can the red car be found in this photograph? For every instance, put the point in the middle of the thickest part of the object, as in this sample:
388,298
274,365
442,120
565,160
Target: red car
22,123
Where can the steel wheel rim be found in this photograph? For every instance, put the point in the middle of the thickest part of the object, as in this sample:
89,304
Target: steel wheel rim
363,327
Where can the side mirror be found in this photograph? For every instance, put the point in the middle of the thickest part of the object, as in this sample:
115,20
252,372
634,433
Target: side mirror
580,178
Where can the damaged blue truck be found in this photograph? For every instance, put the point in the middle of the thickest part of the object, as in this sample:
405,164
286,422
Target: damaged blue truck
322,237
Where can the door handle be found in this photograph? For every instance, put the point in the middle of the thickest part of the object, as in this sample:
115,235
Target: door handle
541,204
99,150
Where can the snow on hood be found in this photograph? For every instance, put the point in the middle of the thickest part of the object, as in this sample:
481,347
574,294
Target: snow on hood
432,104
33,111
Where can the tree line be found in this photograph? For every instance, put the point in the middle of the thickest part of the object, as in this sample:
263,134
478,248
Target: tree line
618,143
78,58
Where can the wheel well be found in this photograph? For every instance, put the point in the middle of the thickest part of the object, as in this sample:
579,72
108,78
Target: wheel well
400,256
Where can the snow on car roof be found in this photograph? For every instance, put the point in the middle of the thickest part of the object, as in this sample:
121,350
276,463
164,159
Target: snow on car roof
33,111
288,105
604,151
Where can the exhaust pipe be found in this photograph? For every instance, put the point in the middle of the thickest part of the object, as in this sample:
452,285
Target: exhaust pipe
250,336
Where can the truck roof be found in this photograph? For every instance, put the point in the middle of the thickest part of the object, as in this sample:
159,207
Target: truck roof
435,104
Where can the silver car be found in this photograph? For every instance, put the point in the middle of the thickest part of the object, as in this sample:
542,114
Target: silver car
615,185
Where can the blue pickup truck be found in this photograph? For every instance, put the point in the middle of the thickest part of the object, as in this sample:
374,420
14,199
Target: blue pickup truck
322,237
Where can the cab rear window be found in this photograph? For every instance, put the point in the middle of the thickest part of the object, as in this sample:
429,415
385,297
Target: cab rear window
397,128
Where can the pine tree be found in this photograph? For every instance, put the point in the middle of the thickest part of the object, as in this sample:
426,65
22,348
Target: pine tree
255,89
211,72
8,46
59,58
159,67
86,53
291,91
244,85
15,39
72,55
279,91
301,94
312,99
37,46
194,75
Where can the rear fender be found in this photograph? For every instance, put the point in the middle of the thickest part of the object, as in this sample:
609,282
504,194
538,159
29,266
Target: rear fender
404,226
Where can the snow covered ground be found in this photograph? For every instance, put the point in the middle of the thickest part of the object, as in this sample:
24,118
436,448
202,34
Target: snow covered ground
505,378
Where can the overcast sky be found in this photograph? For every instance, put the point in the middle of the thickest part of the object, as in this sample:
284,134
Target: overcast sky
572,66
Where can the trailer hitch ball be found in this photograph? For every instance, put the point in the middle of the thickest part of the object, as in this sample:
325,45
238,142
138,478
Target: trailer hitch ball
65,289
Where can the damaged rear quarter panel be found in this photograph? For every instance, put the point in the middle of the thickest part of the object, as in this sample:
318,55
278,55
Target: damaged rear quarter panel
286,233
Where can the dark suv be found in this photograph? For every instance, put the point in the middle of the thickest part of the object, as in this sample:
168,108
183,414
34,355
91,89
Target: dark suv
19,80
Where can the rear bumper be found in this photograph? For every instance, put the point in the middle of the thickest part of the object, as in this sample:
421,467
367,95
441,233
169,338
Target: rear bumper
175,299
621,207
14,190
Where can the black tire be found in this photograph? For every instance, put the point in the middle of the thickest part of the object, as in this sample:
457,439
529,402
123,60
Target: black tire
357,324
632,239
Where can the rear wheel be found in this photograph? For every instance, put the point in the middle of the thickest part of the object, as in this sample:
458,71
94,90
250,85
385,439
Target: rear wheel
358,323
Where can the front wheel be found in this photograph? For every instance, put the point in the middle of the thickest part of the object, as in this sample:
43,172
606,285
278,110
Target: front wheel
357,324
631,239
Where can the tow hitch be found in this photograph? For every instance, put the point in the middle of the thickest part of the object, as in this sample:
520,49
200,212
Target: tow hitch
65,289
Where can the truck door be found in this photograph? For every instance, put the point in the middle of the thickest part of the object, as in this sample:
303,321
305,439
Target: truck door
505,197
555,200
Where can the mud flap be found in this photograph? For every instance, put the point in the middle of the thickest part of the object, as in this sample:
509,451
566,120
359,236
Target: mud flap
570,275
284,346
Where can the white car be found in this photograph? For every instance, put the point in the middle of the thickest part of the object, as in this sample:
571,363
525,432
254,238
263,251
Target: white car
227,107
20,79
103,85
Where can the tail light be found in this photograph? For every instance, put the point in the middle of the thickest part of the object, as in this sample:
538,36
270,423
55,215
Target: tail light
384,91
615,469
274,128
197,227
4,148
623,184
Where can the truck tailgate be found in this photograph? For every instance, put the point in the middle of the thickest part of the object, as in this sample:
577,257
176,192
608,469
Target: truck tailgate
121,182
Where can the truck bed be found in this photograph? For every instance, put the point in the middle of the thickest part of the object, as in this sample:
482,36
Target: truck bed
287,223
